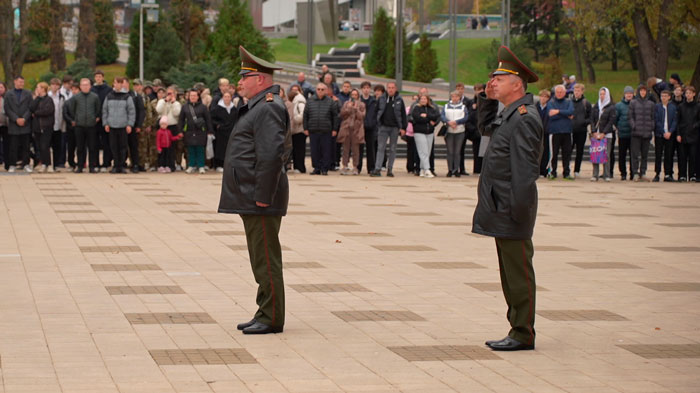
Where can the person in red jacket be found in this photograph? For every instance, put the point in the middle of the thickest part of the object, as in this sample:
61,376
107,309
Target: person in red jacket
164,139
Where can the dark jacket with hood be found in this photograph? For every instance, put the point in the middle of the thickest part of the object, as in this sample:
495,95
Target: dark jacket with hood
255,157
582,114
689,121
397,106
42,114
421,124
624,130
603,122
641,116
223,121
507,206
195,122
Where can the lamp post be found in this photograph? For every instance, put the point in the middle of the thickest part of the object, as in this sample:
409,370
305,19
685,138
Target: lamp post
149,4
505,20
399,44
453,44
309,31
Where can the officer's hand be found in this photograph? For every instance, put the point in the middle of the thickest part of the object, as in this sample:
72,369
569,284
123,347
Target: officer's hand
489,90
260,204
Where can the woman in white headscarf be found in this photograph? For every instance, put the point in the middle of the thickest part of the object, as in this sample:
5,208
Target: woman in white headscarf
603,118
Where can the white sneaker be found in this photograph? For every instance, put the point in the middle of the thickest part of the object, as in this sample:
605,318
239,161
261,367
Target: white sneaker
178,167
220,169
50,169
28,169
202,170
189,170
103,170
422,173
42,168
429,174
294,171
594,178
608,179
577,174
12,169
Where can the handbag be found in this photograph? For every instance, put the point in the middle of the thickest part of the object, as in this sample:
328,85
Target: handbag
198,122
443,130
599,150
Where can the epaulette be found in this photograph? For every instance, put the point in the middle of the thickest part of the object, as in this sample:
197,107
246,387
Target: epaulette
522,110
269,97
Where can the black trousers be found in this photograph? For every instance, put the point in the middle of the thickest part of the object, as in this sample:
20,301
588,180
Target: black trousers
4,147
58,149
663,154
337,152
411,155
299,151
103,140
475,138
624,152
612,156
578,142
544,161
86,141
561,142
133,142
371,146
70,146
118,142
686,160
322,147
165,157
19,149
42,141
640,155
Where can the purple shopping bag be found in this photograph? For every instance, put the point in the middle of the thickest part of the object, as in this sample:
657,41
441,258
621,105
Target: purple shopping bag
599,151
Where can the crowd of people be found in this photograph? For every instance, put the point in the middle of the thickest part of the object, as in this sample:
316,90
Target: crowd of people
88,125
663,114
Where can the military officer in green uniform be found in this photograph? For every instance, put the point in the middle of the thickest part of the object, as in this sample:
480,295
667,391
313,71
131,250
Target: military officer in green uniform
255,186
507,205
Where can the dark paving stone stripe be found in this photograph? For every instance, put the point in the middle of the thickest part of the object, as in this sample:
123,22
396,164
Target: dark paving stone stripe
303,288
580,315
663,351
204,356
377,315
621,236
400,247
419,353
98,234
449,265
110,249
604,265
303,265
168,318
104,267
87,221
145,290
671,286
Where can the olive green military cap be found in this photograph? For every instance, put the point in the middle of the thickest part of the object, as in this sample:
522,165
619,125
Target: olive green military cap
250,63
509,64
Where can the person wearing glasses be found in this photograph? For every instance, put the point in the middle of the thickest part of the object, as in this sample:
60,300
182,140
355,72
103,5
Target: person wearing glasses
321,125
256,187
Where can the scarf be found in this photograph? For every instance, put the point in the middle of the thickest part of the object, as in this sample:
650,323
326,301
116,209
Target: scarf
602,104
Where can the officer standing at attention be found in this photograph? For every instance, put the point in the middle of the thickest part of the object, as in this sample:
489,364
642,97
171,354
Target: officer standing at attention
255,186
507,205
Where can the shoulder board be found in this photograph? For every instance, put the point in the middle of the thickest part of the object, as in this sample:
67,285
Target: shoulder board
269,97
522,109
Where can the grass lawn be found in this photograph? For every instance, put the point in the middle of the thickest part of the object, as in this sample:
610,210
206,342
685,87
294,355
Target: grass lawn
33,71
471,61
291,50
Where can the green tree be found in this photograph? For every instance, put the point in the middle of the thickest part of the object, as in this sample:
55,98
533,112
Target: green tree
166,52
425,60
407,57
39,31
188,20
87,34
234,27
538,22
150,29
205,72
57,46
381,42
106,50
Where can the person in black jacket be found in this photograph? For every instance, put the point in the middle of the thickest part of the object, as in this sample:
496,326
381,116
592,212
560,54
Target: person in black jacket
42,109
471,131
603,118
688,135
392,121
16,103
256,187
102,90
195,122
321,125
370,144
581,121
224,115
424,116
507,191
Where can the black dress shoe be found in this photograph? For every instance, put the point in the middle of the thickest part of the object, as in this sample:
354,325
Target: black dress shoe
261,328
509,344
464,173
315,172
389,173
244,325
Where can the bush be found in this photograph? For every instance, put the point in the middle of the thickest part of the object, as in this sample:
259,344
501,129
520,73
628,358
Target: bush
381,43
407,57
517,46
426,63
205,72
80,69
549,72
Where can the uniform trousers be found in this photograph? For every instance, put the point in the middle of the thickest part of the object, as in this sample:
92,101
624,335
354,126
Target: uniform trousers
518,283
265,252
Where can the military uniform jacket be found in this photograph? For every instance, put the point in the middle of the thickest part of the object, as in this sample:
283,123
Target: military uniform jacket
507,205
255,156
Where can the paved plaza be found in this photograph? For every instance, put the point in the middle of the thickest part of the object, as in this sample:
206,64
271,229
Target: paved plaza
134,284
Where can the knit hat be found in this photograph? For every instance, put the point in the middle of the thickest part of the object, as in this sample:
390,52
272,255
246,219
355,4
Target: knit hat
628,89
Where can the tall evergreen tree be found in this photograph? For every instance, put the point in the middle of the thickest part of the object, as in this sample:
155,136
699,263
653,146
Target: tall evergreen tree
165,53
106,49
39,31
87,34
188,20
407,57
381,42
426,62
234,27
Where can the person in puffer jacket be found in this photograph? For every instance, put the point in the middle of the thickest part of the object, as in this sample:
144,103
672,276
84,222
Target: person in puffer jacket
641,118
624,131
